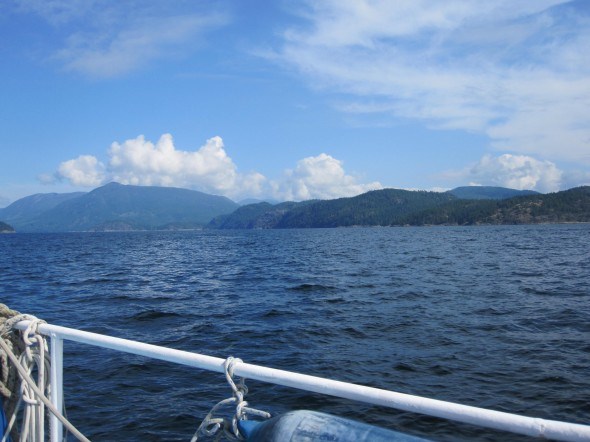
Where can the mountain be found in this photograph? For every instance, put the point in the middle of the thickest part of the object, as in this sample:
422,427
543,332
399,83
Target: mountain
376,208
392,207
33,206
254,216
571,205
121,207
5,228
249,201
488,193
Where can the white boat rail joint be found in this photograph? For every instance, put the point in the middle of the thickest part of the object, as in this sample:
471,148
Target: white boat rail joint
529,426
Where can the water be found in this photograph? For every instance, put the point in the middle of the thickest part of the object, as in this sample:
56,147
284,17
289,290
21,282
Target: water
496,317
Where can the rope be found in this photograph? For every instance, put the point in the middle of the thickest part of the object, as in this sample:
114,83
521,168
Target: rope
9,378
32,394
211,425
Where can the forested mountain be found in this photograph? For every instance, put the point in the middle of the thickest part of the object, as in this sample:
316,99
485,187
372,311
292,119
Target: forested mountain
376,208
32,206
255,216
391,207
571,205
120,207
489,193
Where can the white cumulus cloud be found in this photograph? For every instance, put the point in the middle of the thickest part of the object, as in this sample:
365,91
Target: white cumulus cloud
85,170
516,172
209,169
576,178
320,177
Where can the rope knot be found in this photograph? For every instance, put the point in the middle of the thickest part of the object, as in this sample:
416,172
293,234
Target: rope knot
211,425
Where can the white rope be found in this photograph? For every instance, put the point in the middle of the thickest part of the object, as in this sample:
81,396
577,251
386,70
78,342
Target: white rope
211,424
34,356
33,393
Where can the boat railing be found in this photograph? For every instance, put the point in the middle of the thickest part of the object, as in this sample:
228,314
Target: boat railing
530,426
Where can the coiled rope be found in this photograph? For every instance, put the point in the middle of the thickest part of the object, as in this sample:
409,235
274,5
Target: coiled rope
9,379
33,356
212,425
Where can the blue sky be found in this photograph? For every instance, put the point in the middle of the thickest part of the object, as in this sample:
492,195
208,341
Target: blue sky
293,99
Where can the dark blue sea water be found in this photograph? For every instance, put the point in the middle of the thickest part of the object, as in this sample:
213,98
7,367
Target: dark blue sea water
496,317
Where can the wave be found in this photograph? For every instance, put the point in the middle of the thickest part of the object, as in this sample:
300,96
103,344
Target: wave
150,315
312,288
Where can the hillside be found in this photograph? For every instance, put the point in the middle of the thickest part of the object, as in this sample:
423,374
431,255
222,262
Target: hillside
32,206
254,216
378,207
375,208
488,193
571,205
120,207
392,207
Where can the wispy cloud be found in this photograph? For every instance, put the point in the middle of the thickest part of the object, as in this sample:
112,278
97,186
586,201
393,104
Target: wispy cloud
209,169
516,71
111,38
132,46
56,12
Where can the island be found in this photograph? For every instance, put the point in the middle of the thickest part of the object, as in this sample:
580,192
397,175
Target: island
5,228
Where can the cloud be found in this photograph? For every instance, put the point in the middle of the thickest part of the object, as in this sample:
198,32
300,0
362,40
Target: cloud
515,71
133,46
575,178
209,169
321,177
85,170
111,38
56,12
516,172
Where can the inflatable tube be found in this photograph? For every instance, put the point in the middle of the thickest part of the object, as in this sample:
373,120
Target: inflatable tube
311,426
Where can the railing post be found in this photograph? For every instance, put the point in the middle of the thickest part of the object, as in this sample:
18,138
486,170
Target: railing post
55,426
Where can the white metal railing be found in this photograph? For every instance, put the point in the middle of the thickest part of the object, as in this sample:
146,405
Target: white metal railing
529,426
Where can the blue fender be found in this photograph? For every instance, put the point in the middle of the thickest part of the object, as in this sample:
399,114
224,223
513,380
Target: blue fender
3,421
309,426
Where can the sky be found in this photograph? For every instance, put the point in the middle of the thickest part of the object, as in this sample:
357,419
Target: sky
293,100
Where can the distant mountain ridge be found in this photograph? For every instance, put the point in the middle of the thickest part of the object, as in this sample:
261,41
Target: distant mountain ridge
489,192
375,208
125,207
571,205
393,207
117,207
32,206
255,216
